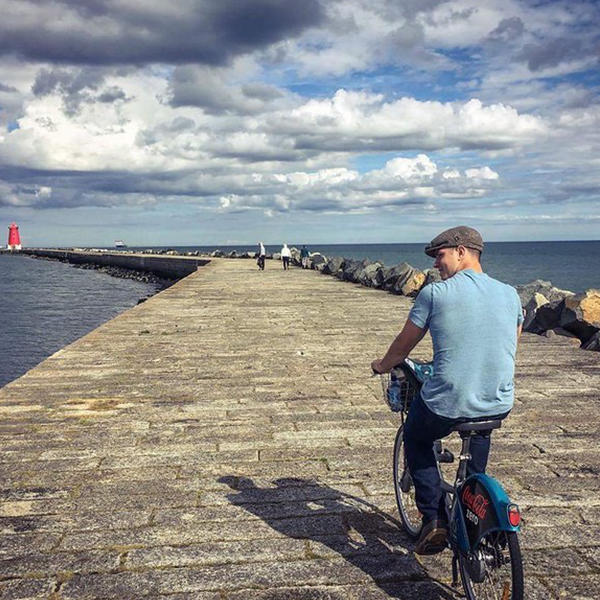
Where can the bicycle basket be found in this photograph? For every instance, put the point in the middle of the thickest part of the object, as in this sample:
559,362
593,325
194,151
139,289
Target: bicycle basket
399,390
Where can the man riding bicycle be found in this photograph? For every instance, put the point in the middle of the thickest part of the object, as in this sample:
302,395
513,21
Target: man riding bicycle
474,322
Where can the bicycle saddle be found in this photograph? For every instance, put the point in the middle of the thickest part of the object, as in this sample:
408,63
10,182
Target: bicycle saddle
478,425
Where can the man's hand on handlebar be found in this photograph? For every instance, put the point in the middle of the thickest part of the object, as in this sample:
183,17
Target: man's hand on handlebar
376,367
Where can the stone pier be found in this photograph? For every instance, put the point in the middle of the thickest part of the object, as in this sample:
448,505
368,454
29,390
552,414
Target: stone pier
224,440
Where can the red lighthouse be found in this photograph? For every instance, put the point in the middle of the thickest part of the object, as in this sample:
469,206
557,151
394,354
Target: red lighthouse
14,239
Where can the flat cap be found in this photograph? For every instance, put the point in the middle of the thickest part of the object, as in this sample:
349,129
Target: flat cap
457,236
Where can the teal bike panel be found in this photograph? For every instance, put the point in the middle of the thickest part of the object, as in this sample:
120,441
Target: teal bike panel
482,507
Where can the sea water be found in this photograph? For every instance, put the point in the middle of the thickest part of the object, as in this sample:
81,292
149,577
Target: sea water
46,305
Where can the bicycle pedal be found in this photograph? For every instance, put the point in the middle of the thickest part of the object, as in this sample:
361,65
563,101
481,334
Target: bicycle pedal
445,456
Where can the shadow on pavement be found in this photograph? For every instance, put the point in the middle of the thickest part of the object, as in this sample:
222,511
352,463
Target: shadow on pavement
358,531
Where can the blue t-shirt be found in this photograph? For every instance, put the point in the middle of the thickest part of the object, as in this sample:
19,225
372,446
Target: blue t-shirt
473,321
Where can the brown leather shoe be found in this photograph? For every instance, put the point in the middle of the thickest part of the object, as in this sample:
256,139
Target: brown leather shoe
433,538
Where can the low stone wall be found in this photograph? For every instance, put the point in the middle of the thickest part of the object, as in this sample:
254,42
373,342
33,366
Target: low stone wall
165,267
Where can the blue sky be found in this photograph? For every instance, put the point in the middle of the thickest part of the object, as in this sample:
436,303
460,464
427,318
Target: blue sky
325,122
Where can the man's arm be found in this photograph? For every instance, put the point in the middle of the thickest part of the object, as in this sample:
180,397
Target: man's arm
400,348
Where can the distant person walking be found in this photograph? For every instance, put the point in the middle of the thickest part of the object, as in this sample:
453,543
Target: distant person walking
261,256
304,257
285,257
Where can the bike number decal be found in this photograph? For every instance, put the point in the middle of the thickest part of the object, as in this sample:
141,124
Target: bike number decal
478,510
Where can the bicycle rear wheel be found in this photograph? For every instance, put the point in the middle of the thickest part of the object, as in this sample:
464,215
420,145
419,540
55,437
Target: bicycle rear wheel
498,557
405,490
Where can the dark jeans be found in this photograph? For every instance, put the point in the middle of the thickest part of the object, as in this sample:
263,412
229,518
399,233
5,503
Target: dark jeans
286,262
421,429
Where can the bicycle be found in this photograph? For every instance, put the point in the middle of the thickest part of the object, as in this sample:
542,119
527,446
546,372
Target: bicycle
483,522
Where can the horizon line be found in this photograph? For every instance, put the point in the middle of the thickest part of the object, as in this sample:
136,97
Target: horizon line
180,245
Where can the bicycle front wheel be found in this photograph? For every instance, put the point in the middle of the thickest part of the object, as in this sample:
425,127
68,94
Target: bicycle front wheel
495,569
405,490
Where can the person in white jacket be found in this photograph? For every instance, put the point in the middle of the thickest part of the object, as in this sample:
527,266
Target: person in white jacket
285,257
260,261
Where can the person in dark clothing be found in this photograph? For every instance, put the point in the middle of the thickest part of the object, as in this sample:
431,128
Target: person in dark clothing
304,257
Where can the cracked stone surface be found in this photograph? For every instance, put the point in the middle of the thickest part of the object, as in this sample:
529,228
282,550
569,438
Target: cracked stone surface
224,440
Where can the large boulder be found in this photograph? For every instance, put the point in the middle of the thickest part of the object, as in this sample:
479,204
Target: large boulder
546,317
592,343
276,256
232,254
413,283
371,275
317,261
333,265
409,282
431,276
581,314
351,269
392,274
539,286
248,254
217,253
295,256
543,304
537,301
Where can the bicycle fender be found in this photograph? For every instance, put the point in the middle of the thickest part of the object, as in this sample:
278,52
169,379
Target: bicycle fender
484,507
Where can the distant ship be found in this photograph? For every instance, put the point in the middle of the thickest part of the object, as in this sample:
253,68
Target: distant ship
120,244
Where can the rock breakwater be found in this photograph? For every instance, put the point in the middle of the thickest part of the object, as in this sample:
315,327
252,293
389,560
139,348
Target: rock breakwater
551,311
160,283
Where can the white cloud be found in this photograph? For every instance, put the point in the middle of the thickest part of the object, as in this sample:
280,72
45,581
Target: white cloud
401,182
143,133
451,174
355,120
15,195
483,173
464,22
407,168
